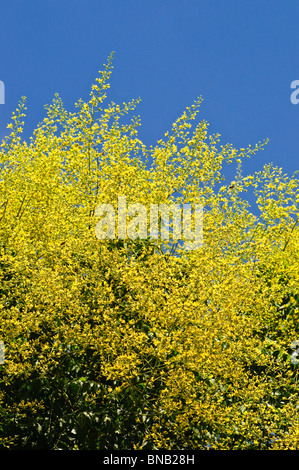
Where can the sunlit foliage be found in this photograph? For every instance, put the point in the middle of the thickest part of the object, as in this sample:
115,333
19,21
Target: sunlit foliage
131,344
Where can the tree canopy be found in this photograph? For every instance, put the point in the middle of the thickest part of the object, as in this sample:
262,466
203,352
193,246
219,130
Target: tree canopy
140,343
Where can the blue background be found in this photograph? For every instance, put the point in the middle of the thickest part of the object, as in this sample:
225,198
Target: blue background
241,56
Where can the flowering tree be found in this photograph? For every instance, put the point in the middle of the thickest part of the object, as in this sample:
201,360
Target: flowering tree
139,343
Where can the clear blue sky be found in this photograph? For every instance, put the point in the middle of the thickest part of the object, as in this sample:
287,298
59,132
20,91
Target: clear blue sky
240,55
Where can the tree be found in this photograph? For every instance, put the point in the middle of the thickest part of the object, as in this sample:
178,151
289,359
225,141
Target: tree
129,344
